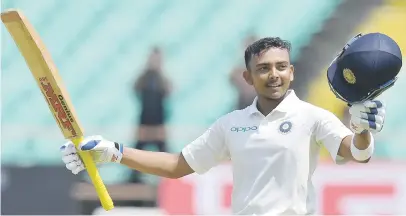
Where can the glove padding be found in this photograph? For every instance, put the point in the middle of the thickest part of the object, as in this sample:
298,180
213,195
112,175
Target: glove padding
367,116
101,150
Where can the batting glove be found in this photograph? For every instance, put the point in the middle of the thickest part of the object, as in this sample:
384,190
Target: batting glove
101,150
367,116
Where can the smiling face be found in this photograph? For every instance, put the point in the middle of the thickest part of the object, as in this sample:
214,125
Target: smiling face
270,72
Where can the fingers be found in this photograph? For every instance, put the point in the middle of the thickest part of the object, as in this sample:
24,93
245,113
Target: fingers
370,117
75,167
357,108
374,104
367,124
70,158
78,169
370,107
73,163
68,149
375,107
363,123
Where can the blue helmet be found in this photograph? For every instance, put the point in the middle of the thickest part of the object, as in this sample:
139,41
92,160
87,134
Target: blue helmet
366,67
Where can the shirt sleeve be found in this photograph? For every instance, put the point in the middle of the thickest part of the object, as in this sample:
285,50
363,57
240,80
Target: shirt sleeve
330,131
208,150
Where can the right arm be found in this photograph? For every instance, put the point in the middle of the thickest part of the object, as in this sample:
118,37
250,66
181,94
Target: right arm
202,154
156,163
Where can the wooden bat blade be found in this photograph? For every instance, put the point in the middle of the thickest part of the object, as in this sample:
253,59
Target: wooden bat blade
44,71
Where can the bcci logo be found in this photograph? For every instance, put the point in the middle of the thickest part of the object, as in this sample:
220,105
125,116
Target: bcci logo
349,76
285,127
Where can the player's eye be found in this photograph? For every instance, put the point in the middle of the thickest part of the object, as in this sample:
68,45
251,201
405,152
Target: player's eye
282,67
262,69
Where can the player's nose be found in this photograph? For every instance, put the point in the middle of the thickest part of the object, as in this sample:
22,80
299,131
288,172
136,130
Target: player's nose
273,73
273,77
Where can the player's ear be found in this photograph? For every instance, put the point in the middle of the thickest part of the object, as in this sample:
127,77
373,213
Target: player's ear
247,76
292,73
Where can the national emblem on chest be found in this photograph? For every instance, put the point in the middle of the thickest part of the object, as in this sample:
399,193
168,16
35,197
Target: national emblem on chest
293,129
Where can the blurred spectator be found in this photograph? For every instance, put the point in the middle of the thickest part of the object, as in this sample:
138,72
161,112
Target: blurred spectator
246,93
152,88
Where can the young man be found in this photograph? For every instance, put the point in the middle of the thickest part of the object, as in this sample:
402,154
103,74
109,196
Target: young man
273,144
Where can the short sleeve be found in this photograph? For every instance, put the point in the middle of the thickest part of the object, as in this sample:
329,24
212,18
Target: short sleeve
208,150
330,131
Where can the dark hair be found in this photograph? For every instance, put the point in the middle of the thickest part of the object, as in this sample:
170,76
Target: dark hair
264,44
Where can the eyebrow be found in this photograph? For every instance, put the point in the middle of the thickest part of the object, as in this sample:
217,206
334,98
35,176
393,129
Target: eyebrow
262,64
267,63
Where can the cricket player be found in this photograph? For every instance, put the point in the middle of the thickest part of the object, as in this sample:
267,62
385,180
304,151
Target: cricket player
273,144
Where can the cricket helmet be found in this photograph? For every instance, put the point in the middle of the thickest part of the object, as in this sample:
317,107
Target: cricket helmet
366,67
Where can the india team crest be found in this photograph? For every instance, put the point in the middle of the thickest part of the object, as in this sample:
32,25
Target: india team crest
349,76
285,127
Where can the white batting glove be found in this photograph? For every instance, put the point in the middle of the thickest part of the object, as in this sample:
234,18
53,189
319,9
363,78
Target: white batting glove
367,116
101,150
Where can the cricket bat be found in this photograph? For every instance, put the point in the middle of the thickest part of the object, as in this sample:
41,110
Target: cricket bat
50,83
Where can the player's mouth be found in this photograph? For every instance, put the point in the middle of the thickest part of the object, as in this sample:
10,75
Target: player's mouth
274,85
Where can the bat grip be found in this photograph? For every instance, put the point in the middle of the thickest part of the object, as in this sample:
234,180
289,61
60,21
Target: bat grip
103,194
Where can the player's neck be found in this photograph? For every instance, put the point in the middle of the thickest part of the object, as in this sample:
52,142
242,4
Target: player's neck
266,105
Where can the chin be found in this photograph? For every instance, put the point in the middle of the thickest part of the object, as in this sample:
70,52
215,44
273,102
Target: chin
275,95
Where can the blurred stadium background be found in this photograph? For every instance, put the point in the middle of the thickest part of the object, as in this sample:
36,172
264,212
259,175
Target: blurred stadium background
101,48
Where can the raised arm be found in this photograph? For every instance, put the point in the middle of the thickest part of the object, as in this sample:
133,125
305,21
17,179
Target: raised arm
199,156
104,151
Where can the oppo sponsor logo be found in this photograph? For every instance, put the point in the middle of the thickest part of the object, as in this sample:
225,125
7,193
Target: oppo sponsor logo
244,129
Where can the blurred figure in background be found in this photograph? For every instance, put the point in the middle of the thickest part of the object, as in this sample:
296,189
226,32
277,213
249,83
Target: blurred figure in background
246,93
152,88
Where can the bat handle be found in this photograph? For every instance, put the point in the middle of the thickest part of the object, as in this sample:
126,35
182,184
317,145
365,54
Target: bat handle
103,194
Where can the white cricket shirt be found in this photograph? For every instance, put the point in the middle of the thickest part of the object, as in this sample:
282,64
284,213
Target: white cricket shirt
273,157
